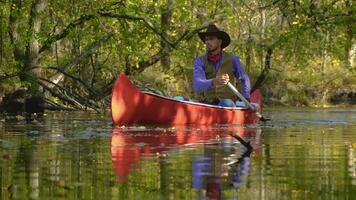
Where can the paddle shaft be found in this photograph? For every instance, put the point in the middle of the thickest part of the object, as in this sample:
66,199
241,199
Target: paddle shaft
249,105
237,93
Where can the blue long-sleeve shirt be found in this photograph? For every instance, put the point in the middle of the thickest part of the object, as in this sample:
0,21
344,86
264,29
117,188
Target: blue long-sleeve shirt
201,84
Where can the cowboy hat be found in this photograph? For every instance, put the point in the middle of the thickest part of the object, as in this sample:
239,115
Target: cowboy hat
213,30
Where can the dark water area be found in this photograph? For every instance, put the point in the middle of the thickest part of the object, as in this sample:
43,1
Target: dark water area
299,154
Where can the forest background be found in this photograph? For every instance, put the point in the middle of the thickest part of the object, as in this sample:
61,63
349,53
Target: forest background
299,52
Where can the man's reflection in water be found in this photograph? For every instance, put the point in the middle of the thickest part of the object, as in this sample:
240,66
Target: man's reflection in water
242,168
213,188
221,167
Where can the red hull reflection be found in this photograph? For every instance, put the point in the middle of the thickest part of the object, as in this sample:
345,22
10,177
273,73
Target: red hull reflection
129,146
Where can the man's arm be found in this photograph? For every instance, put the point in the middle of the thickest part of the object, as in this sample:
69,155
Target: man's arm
242,76
200,83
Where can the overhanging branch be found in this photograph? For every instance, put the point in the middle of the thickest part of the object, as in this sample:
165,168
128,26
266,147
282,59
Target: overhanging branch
148,23
261,78
65,31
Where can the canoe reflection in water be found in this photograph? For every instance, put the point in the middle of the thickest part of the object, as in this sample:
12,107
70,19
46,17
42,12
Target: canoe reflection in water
219,161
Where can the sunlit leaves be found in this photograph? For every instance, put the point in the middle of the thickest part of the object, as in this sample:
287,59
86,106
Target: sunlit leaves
301,33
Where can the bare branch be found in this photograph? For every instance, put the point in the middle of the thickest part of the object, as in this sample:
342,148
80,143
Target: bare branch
263,75
7,76
268,6
72,77
88,52
148,23
65,31
156,57
190,34
14,74
61,69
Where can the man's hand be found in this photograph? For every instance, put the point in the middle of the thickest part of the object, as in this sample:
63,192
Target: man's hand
221,80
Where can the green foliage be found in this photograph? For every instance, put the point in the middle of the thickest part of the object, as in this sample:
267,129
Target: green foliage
313,42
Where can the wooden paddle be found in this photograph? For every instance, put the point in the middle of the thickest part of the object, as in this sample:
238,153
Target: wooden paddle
249,105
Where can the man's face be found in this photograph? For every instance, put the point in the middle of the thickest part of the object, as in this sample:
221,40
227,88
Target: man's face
212,43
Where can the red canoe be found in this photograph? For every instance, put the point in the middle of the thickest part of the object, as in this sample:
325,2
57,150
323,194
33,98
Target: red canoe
130,106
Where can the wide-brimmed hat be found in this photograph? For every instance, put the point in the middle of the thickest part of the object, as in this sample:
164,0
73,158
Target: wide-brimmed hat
213,30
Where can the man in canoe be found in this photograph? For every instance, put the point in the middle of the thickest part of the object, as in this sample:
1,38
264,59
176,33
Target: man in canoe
213,70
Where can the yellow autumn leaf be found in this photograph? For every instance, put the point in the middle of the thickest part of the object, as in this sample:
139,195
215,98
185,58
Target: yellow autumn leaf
335,61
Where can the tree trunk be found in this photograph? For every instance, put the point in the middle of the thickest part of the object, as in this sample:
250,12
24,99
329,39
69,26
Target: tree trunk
33,47
249,52
27,55
350,45
351,56
19,54
166,16
55,48
325,60
1,37
263,30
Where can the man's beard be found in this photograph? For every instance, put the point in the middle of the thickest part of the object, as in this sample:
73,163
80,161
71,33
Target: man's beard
212,50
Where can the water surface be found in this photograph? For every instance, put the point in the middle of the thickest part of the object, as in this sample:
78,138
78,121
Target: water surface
300,154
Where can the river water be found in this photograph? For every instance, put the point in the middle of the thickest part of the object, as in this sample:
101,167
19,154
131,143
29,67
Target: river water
299,154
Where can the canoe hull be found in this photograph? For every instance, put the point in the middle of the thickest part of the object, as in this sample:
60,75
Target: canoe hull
131,106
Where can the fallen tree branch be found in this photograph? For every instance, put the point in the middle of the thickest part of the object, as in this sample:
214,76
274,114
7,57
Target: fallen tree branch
50,105
75,99
61,93
73,78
